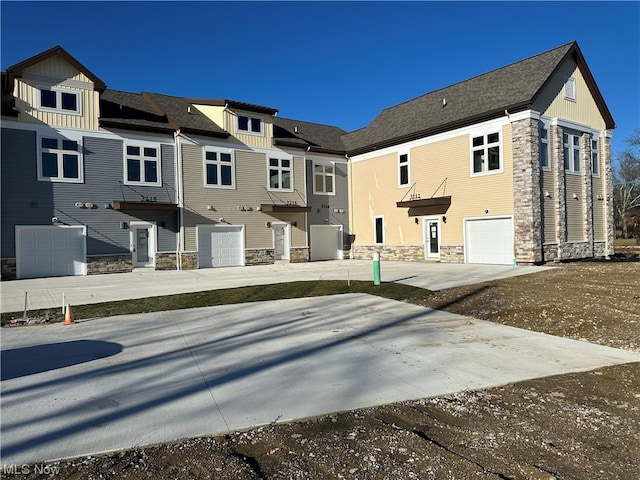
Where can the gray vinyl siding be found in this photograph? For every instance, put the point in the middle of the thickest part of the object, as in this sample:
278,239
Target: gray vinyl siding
323,206
575,216
36,202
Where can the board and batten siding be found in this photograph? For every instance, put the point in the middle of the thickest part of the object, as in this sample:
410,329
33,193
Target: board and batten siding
250,191
551,102
574,208
58,73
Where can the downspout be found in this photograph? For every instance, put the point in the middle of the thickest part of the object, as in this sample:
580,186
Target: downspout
180,193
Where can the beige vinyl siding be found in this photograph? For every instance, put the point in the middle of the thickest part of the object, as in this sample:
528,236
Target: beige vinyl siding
215,114
552,103
548,207
376,190
260,141
599,230
575,229
250,191
54,72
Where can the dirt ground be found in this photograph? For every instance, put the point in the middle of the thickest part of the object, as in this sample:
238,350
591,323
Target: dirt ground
576,426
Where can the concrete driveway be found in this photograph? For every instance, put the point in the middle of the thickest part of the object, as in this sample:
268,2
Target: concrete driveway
106,384
80,290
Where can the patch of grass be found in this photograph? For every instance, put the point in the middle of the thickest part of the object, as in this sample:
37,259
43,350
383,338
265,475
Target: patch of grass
209,298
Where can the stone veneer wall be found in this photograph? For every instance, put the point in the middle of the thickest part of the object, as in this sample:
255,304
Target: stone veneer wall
410,253
188,260
606,166
452,253
299,255
527,206
550,252
118,263
8,269
260,256
166,261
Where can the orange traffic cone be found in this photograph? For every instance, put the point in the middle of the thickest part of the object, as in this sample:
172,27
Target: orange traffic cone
68,317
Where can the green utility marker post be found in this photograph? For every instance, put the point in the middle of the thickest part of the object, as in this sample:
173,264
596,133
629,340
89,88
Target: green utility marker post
376,269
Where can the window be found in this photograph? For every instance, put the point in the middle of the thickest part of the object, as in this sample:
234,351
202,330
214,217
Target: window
280,174
571,152
486,153
60,100
379,229
142,165
323,179
252,125
595,162
570,89
544,146
60,160
219,169
403,170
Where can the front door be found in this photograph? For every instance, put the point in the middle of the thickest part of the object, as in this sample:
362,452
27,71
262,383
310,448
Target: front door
281,241
432,237
142,245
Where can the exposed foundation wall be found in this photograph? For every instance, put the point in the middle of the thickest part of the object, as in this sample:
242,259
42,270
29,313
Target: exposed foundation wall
259,256
452,253
118,263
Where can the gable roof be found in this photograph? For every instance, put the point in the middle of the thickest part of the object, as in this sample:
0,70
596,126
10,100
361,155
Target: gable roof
513,88
154,112
223,102
57,51
314,137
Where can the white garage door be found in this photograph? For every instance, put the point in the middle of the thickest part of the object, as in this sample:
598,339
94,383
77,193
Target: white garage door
325,242
50,251
220,246
489,241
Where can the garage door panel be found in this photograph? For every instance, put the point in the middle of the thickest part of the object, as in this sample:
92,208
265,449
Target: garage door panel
50,251
489,241
325,242
220,246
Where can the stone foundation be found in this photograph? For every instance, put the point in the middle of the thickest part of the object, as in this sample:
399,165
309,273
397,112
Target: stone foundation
166,261
188,260
299,254
117,263
452,253
550,252
259,256
8,269
405,253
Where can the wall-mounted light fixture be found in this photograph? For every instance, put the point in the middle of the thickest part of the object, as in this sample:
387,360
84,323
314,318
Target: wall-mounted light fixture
547,194
575,196
444,219
486,211
417,221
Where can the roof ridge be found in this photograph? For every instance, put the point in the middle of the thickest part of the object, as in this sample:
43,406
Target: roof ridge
309,123
477,76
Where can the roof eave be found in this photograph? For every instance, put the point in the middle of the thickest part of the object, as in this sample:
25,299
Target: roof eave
499,112
132,126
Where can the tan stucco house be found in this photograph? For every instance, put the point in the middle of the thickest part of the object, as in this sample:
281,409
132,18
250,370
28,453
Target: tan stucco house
512,166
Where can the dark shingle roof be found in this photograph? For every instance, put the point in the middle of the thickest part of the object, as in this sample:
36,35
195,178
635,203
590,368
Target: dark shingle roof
486,96
315,136
154,112
224,102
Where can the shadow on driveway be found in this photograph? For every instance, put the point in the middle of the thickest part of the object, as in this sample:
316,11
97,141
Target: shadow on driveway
20,362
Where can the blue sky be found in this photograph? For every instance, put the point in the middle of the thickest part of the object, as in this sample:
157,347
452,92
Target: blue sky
338,63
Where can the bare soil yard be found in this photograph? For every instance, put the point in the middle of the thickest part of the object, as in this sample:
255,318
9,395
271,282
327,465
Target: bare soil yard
576,426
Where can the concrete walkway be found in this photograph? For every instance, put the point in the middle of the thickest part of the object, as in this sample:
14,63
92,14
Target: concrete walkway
80,290
113,383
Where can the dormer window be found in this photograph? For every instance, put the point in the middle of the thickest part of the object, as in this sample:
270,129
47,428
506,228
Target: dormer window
249,124
59,100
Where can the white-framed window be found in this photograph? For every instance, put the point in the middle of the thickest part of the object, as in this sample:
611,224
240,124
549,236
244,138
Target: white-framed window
280,174
543,146
486,153
570,89
595,160
219,169
324,179
142,164
59,100
60,160
250,124
403,170
378,227
571,152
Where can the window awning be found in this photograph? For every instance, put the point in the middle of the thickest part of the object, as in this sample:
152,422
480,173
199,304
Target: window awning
156,206
283,208
426,206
